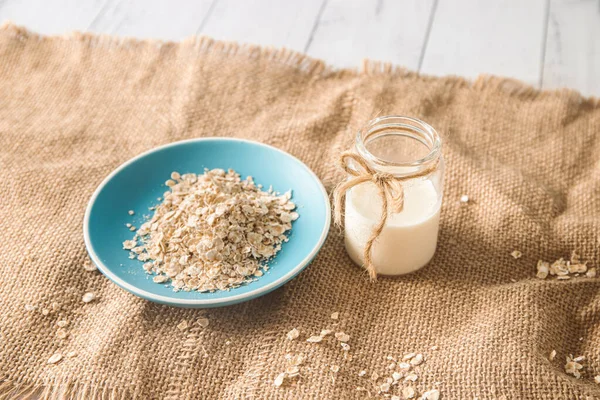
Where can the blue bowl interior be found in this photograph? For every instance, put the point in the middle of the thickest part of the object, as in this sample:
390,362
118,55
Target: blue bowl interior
137,185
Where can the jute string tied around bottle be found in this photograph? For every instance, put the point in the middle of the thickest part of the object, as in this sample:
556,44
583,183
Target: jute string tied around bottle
391,191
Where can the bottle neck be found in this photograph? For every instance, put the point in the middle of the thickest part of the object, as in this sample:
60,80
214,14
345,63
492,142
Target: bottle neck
401,146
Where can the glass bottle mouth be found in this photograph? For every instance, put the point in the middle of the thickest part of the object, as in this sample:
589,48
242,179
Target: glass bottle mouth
408,129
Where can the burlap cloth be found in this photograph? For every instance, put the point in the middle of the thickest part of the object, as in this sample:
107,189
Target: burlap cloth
74,108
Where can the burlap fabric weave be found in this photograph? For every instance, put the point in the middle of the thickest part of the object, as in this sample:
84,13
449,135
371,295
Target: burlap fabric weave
74,108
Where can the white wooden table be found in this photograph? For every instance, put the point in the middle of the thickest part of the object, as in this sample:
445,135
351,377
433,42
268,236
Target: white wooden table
546,43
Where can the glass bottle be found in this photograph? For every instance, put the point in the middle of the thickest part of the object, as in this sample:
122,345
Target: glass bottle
408,149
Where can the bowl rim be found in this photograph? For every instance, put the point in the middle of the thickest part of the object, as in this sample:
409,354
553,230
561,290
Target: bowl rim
203,302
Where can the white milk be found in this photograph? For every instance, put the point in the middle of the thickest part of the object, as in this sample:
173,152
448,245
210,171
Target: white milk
409,238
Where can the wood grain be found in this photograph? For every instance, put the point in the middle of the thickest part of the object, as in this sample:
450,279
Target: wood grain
50,18
502,37
389,30
156,19
267,22
573,46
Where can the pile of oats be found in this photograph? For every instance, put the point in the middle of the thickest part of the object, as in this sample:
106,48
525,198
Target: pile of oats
212,232
565,269
573,365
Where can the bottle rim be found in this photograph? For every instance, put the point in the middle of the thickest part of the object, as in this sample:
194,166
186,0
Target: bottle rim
403,126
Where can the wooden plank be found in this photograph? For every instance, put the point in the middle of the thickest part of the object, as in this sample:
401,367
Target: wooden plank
573,46
266,22
156,19
388,30
56,17
501,37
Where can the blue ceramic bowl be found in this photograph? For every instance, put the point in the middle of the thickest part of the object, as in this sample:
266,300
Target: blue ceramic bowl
138,183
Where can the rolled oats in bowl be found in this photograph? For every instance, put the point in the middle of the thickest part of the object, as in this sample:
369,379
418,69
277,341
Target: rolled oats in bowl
213,231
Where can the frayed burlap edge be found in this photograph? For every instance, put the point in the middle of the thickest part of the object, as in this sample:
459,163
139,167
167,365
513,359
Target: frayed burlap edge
62,390
302,62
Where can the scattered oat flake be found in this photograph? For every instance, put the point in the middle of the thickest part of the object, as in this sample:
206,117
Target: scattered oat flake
29,307
296,359
203,322
411,377
88,297
72,354
597,379
542,269
314,339
417,360
183,325
335,315
408,356
516,254
61,333
395,397
432,394
384,387
292,370
160,279
408,392
293,334
279,380
55,358
464,198
62,323
345,346
552,355
89,266
131,212
434,348
591,273
342,337
335,368
404,365
396,376
129,244
45,312
326,332
362,373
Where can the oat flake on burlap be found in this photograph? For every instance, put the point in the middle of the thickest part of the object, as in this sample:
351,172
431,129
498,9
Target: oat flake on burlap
73,108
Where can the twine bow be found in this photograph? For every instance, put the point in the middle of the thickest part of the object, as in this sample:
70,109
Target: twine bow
391,192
